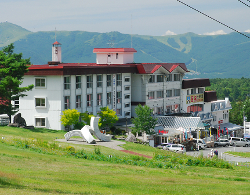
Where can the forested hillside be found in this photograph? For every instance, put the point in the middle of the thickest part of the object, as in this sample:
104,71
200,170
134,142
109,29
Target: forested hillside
221,56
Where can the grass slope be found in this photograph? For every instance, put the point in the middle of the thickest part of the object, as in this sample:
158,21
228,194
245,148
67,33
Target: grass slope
23,171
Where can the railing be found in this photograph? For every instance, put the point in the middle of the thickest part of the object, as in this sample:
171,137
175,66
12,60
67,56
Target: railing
4,121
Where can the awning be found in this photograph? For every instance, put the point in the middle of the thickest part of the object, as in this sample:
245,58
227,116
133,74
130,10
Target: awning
175,122
229,126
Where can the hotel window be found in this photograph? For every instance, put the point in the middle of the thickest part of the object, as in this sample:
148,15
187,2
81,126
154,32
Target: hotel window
99,99
177,92
119,79
151,95
116,55
109,98
40,82
118,111
169,93
169,77
127,105
193,91
152,79
89,81
78,82
89,100
40,102
127,88
66,102
78,101
67,82
168,109
16,102
40,122
127,96
200,90
159,78
108,80
99,80
127,79
118,97
188,92
127,113
159,94
177,77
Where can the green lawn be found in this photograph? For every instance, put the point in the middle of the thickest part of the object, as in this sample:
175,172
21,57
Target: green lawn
241,154
24,171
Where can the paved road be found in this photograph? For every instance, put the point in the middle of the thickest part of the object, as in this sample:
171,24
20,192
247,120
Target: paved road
221,153
114,144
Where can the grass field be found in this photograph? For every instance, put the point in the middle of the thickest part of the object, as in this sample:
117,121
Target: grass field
27,171
241,154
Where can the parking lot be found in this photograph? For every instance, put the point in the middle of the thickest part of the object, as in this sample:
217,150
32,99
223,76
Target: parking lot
221,153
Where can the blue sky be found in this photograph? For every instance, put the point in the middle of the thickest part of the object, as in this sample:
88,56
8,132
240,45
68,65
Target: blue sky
143,17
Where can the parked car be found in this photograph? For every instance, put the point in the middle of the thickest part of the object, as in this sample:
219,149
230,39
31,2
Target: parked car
233,139
200,143
175,148
243,142
162,145
221,142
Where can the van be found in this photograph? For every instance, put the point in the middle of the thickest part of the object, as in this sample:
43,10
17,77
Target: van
233,139
201,143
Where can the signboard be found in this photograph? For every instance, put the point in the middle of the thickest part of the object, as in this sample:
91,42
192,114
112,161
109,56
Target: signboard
194,98
114,92
161,132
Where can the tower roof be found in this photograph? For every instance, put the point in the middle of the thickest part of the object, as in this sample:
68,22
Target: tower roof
57,43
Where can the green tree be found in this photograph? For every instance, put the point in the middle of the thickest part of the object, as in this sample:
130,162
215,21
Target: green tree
86,117
108,117
144,120
12,70
70,117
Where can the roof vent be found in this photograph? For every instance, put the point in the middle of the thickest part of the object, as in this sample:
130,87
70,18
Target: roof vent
53,63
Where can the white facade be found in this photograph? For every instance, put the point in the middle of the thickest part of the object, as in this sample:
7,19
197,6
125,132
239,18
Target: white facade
43,106
213,112
113,81
114,56
161,91
56,52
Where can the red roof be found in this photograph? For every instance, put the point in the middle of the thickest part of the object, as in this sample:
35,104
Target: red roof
63,68
57,43
147,68
114,50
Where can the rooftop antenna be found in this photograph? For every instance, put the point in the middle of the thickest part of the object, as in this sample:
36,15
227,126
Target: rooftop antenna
111,42
131,30
55,34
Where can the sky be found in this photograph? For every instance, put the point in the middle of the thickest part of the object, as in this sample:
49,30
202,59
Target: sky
143,17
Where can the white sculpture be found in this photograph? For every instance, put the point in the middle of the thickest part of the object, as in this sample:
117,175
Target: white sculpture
87,131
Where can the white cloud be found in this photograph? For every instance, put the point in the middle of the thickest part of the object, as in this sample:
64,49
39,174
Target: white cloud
169,33
218,32
247,31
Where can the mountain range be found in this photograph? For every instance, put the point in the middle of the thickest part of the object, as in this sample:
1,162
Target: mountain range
206,56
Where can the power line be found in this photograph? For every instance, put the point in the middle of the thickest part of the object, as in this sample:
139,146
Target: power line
213,19
245,3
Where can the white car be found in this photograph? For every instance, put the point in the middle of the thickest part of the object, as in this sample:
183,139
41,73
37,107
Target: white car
242,142
175,148
201,143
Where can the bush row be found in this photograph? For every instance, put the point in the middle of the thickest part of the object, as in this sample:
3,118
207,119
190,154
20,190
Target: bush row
158,161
